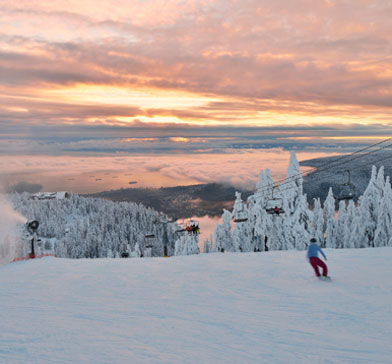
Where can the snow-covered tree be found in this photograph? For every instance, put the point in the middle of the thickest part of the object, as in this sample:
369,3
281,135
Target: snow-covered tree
301,224
348,225
95,228
329,221
241,235
207,247
368,212
186,245
222,234
318,220
292,187
383,233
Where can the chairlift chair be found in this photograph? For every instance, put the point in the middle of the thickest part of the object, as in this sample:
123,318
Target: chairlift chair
240,215
347,191
193,227
274,206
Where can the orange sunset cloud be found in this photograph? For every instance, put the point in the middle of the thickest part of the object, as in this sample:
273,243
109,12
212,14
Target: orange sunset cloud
212,62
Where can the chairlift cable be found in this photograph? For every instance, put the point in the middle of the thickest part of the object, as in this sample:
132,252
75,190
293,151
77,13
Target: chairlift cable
329,164
351,169
349,155
376,161
330,175
362,155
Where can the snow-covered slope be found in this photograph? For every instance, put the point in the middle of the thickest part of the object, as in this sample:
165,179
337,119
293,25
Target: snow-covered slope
212,308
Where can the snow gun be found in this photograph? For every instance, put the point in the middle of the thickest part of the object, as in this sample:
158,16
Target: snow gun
32,227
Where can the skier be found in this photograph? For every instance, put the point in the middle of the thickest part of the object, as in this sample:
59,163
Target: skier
315,261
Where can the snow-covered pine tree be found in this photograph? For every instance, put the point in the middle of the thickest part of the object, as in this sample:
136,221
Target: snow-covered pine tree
367,216
383,233
135,252
348,225
241,235
260,232
329,221
257,215
292,187
260,223
318,220
207,247
222,234
301,219
296,221
340,225
187,245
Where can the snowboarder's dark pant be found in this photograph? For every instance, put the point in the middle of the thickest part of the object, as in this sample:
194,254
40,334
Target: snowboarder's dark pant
317,262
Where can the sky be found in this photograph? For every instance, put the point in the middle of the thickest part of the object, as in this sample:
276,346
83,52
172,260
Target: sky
200,77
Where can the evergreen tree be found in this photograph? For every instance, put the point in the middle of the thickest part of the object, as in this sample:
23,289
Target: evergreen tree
241,235
329,221
187,245
368,211
318,221
383,232
348,225
222,234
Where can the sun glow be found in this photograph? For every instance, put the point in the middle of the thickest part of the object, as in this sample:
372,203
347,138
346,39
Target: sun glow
136,97
179,140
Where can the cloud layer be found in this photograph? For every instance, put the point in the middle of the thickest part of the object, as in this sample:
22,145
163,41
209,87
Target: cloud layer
92,174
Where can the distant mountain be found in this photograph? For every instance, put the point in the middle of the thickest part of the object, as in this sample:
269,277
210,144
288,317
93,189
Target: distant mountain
24,187
180,201
331,172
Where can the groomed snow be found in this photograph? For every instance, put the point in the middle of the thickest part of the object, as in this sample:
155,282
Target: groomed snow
210,308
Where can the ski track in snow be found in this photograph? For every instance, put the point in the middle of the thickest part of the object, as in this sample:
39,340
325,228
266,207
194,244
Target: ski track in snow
211,308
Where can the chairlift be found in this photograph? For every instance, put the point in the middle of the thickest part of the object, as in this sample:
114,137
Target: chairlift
240,215
193,227
274,206
347,191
